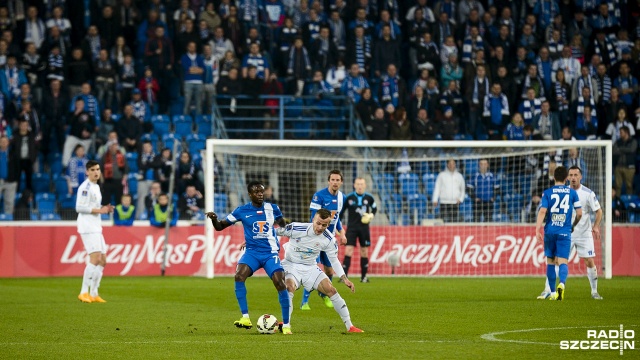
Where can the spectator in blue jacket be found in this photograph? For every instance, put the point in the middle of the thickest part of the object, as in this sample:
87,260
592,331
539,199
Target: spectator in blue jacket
193,67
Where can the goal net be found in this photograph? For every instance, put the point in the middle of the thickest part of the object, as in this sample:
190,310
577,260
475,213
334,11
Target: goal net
490,233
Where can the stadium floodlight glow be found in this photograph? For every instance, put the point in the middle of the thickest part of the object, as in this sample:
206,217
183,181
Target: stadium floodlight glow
401,176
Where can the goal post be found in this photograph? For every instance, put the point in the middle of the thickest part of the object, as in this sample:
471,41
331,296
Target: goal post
401,177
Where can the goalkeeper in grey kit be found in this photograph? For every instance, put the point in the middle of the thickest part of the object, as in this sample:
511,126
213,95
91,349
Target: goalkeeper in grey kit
361,207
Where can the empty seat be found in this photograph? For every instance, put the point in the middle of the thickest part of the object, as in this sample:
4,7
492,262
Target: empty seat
429,183
132,161
183,125
61,185
203,123
41,182
408,184
45,203
196,143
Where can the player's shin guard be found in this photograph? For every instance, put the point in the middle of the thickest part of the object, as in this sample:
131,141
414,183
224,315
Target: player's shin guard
95,280
346,263
364,266
563,273
284,299
305,296
86,278
341,308
551,277
592,274
241,295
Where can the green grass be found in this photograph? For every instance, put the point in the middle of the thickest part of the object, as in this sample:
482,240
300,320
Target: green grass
403,318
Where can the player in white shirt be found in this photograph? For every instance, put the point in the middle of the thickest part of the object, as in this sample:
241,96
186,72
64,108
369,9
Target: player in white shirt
89,208
306,240
585,233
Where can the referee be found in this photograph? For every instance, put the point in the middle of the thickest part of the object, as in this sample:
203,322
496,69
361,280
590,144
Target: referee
361,208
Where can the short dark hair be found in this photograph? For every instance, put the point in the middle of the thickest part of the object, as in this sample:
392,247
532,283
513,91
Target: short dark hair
91,163
625,129
254,183
335,172
560,174
575,167
323,213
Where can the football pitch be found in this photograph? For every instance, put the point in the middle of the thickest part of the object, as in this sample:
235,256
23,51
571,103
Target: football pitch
403,318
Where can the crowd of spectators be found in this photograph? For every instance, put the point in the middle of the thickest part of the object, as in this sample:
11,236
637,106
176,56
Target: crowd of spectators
83,79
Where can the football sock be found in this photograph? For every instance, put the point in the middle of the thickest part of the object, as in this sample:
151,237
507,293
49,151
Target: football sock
563,273
86,278
285,304
305,296
592,273
95,280
241,295
364,266
546,285
346,263
341,308
551,277
290,309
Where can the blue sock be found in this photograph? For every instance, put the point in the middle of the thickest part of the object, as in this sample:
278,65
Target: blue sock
563,273
321,294
241,295
283,298
305,296
551,275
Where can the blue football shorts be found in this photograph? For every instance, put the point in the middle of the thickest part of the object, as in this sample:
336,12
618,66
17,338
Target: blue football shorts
270,262
557,245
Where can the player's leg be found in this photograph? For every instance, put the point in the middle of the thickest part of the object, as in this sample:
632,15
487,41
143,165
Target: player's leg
324,285
275,271
586,251
328,270
550,253
348,250
304,305
92,248
99,270
292,285
563,249
365,240
246,266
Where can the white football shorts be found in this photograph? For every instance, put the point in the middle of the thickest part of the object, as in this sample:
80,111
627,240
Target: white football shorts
94,242
584,247
309,276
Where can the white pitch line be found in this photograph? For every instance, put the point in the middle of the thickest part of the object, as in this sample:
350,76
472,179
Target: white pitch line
492,336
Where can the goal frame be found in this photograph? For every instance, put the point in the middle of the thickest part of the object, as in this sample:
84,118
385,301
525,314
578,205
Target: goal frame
212,143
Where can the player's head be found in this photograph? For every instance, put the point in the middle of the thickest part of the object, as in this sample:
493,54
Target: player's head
360,185
93,170
560,174
321,221
575,176
125,200
256,192
335,180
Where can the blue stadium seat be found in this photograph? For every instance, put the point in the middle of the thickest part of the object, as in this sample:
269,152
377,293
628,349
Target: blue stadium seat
203,122
55,163
6,217
46,203
169,139
62,186
470,167
385,182
196,143
132,161
116,117
408,184
183,125
160,118
418,208
67,202
161,128
429,184
394,208
152,138
133,185
628,199
41,182
220,204
466,209
49,217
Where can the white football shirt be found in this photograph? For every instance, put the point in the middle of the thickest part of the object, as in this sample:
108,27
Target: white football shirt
304,246
88,197
589,207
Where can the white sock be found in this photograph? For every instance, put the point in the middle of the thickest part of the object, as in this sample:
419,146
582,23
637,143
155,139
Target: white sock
341,308
245,316
592,274
86,278
290,309
95,280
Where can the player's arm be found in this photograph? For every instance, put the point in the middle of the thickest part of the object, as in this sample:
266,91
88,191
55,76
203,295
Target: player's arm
83,205
342,232
374,206
316,204
332,253
218,224
540,222
596,224
578,207
577,219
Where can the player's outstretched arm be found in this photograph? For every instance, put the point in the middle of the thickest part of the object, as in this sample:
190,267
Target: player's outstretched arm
217,224
348,283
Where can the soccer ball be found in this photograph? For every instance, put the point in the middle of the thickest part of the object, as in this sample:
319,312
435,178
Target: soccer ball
267,324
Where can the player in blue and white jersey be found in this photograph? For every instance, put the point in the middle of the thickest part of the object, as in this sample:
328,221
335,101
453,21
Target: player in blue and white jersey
585,232
332,199
306,241
556,211
262,247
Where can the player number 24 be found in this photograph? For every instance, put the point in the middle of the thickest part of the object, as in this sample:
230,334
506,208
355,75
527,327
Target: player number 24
564,203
